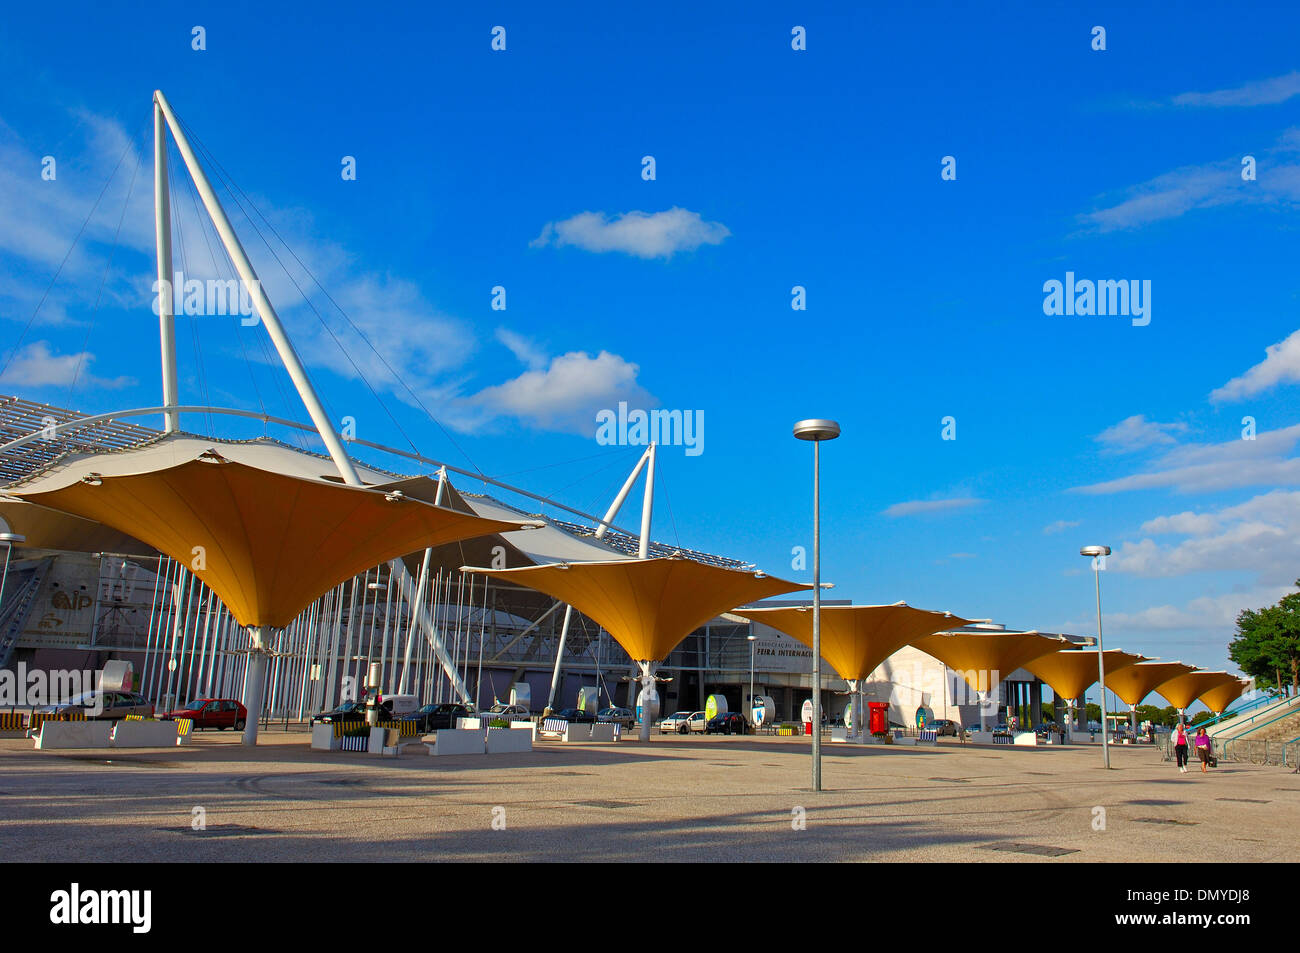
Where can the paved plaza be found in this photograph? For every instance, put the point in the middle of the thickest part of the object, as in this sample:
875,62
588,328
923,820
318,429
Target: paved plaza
677,798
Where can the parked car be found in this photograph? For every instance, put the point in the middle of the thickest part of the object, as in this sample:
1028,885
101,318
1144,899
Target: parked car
694,723
508,712
727,723
436,717
349,711
617,716
945,726
219,713
576,716
102,706
683,722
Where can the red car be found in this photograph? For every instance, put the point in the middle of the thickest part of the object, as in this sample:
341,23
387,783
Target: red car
220,713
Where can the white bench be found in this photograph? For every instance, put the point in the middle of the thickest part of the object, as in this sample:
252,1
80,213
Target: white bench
144,734
458,741
506,741
74,734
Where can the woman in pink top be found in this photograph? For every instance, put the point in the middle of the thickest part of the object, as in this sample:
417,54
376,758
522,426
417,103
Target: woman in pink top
1180,746
1203,748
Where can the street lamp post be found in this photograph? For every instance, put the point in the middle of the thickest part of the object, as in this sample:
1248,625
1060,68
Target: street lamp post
752,639
10,540
817,430
1099,553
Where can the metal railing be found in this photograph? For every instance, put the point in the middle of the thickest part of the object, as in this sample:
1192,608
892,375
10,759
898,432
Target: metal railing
1267,705
1227,745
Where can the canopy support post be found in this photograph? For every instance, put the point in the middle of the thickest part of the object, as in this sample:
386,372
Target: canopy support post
649,691
859,728
255,682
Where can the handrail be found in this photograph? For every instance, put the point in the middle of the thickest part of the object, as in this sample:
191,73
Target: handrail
1286,745
1286,714
1269,703
267,418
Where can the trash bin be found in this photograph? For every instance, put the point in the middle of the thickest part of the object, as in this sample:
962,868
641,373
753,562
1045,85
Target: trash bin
879,717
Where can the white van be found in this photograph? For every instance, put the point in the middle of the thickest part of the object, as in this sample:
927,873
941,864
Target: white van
397,705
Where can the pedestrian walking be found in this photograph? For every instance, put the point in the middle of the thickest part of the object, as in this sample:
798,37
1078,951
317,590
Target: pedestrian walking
1203,748
1180,746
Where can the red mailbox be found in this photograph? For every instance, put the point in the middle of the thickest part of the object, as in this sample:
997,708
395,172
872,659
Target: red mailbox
879,717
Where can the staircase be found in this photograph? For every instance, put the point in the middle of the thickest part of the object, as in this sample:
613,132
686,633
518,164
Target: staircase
1262,742
1258,715
19,599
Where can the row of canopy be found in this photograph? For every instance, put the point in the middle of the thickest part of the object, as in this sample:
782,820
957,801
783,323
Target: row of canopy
269,533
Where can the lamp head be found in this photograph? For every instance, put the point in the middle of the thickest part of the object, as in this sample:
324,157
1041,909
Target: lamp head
816,429
1095,551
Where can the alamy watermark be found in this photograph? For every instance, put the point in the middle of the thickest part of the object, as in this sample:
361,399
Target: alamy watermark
640,428
1103,297
207,297
21,688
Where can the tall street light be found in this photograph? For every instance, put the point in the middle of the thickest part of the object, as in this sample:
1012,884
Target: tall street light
1099,553
752,640
10,540
817,431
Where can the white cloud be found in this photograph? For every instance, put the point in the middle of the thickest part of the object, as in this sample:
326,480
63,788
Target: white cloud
1138,433
1217,614
524,349
567,393
643,234
914,507
1207,467
1262,92
1181,524
1059,526
1204,186
37,366
1261,535
1281,365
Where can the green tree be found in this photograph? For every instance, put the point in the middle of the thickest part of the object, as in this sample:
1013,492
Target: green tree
1267,644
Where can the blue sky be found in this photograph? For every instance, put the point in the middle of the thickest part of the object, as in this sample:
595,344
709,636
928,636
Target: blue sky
774,168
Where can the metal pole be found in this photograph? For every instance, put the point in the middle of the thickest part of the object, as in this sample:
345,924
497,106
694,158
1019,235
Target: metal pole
752,641
559,656
648,503
1101,669
817,622
417,603
166,291
266,311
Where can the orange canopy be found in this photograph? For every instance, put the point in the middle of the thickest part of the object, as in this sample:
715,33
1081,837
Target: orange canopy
267,544
1181,690
1070,672
647,605
1220,696
1135,682
983,659
856,639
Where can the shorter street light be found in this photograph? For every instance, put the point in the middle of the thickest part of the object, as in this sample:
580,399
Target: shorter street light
752,640
1098,555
